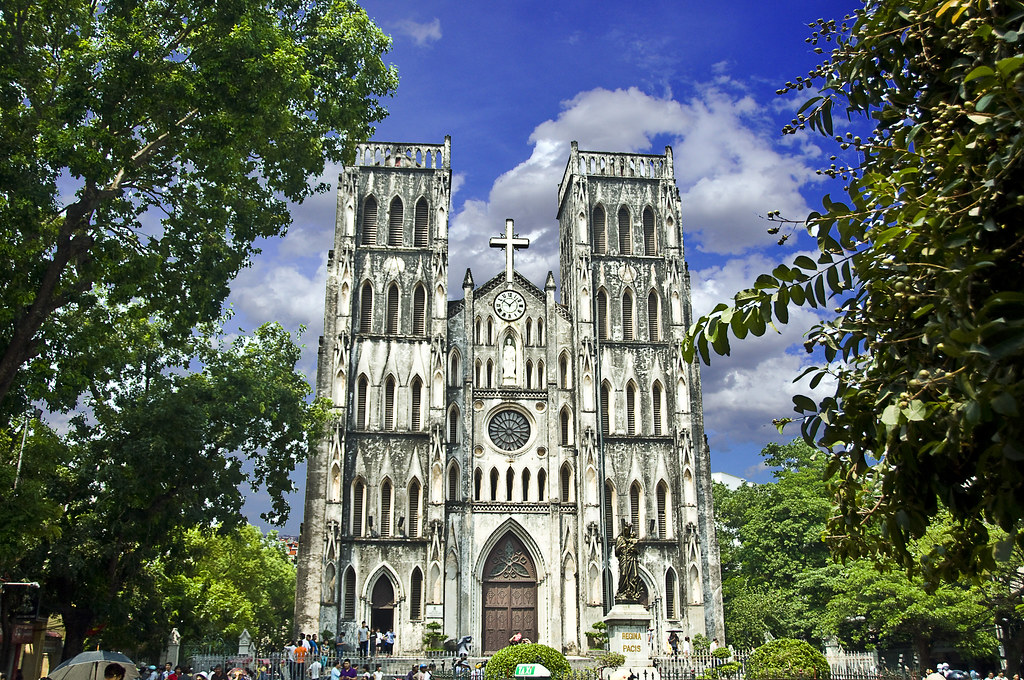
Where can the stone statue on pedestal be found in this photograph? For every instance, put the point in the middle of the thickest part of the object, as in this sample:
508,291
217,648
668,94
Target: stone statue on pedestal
628,552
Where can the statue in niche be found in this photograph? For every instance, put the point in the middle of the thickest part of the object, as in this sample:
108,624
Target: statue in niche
508,361
628,551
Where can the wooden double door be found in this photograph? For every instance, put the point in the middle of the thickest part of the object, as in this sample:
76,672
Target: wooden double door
509,594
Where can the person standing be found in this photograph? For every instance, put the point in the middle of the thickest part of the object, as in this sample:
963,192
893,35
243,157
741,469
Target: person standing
336,671
315,667
363,639
378,673
389,641
301,652
687,646
289,659
673,642
348,671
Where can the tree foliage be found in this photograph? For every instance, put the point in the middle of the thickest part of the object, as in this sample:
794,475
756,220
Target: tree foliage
776,570
146,147
921,263
166,451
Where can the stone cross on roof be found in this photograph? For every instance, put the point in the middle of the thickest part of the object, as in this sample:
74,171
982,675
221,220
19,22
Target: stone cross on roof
510,243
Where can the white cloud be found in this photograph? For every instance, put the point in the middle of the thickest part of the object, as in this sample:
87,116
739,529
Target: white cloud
281,292
421,33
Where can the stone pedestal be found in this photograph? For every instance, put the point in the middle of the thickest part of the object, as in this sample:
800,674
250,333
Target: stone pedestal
627,635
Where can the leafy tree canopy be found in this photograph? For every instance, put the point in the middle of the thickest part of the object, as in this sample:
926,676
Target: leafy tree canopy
147,146
163,452
922,264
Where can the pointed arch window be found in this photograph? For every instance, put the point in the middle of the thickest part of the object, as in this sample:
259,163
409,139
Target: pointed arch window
386,495
362,392
540,374
414,508
476,334
605,405
389,403
625,232
479,374
494,484
609,513
416,421
529,331
600,232
490,331
602,314
658,407
370,222
565,427
529,373
422,226
565,476
453,425
634,508
650,237
454,369
510,482
453,482
419,310
395,219
670,593
349,606
542,485
654,316
540,331
416,594
478,482
662,499
391,314
358,507
526,485
564,376
628,333
631,408
366,308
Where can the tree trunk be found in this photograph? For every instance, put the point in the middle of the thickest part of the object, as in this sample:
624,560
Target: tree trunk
77,622
1013,646
923,647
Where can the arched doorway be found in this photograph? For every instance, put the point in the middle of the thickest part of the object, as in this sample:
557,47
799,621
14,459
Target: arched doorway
382,604
509,594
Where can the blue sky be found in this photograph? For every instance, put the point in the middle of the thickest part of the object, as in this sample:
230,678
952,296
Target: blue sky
514,82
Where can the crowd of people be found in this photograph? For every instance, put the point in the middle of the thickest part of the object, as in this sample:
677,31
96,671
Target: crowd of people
944,672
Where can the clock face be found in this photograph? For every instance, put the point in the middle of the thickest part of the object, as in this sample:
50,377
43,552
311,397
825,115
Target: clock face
509,430
509,305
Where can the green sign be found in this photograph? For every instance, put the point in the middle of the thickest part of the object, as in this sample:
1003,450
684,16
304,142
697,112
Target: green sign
532,670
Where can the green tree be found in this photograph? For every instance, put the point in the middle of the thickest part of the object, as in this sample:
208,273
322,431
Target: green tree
922,265
776,569
147,146
226,583
879,605
165,452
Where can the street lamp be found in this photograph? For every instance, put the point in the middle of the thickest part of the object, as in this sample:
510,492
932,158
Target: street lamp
17,474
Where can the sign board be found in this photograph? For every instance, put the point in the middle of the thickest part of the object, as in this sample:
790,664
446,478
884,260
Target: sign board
532,670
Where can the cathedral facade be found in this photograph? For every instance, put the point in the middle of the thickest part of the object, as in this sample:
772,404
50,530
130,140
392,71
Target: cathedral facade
485,451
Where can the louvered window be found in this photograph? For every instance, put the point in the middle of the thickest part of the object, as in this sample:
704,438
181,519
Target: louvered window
395,222
366,308
605,416
361,395
650,242
370,222
670,594
392,311
389,404
453,483
631,409
609,515
634,507
416,595
602,315
564,438
419,311
627,316
600,232
566,484
421,239
453,426
414,509
654,316
656,397
662,511
385,508
625,233
358,503
417,396
349,612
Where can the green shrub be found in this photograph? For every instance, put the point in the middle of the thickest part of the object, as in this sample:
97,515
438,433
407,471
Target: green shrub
786,658
433,638
598,636
611,660
503,663
701,643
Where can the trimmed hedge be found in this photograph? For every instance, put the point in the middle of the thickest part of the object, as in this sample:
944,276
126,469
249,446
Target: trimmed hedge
787,658
503,663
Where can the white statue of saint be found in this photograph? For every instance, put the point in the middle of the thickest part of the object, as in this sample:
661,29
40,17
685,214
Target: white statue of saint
508,361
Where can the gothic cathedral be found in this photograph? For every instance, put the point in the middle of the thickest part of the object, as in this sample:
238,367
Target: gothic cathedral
486,450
